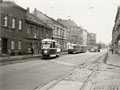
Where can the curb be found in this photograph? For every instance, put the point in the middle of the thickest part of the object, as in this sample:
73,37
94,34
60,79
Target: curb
9,59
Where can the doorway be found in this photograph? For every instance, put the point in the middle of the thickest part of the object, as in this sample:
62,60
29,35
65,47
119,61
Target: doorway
4,46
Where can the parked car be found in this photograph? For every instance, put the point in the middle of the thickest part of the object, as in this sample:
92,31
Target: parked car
95,49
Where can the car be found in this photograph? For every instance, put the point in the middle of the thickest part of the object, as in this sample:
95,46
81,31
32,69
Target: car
94,50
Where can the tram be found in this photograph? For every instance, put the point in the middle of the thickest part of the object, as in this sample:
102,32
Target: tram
83,48
50,48
76,48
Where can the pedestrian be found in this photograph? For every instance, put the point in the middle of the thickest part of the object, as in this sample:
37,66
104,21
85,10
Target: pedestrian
112,50
32,51
9,52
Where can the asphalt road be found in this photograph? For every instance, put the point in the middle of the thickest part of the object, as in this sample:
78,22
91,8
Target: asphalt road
35,73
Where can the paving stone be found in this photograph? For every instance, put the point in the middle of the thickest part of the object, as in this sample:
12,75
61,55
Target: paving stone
104,80
78,75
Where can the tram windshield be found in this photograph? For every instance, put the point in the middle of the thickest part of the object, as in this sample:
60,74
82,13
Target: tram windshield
46,45
70,47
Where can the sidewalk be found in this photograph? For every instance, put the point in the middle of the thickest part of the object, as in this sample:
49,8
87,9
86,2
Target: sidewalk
18,57
113,59
21,57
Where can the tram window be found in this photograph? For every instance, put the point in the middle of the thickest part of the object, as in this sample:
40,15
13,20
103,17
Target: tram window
53,44
58,45
74,46
70,47
45,45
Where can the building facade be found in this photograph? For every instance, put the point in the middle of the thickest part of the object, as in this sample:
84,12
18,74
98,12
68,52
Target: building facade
92,40
59,30
20,30
12,28
88,41
116,33
36,31
74,32
85,33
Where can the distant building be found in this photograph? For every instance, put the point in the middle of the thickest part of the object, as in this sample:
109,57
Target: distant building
92,40
116,33
59,30
85,33
74,32
88,41
12,28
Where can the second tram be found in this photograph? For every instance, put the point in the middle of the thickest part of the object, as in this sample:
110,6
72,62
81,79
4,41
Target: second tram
50,48
76,48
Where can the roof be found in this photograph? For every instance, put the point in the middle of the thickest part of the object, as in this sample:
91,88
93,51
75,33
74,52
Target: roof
8,4
67,22
48,40
34,19
46,19
42,16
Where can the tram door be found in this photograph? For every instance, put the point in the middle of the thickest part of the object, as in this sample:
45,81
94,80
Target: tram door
4,46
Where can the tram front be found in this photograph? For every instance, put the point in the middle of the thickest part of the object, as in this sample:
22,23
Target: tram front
49,48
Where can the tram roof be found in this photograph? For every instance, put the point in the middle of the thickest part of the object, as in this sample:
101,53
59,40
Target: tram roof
77,45
48,40
82,45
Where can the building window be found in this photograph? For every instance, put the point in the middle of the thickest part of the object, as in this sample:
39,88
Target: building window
13,23
31,30
54,31
19,45
35,34
12,44
20,24
28,30
5,21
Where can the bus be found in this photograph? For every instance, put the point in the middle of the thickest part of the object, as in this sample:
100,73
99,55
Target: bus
50,48
76,48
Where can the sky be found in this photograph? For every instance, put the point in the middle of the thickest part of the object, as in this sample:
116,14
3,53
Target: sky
95,16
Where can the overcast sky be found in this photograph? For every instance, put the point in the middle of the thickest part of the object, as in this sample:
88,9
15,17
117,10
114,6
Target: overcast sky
94,15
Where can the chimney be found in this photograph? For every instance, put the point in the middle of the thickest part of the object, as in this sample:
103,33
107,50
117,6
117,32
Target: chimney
35,12
28,9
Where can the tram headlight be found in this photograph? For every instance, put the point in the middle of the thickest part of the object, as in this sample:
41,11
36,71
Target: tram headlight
45,51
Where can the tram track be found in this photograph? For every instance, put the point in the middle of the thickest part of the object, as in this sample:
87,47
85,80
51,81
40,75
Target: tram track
95,69
73,65
90,76
94,59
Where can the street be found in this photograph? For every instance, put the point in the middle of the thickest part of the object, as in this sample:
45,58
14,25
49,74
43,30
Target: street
83,71
59,45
